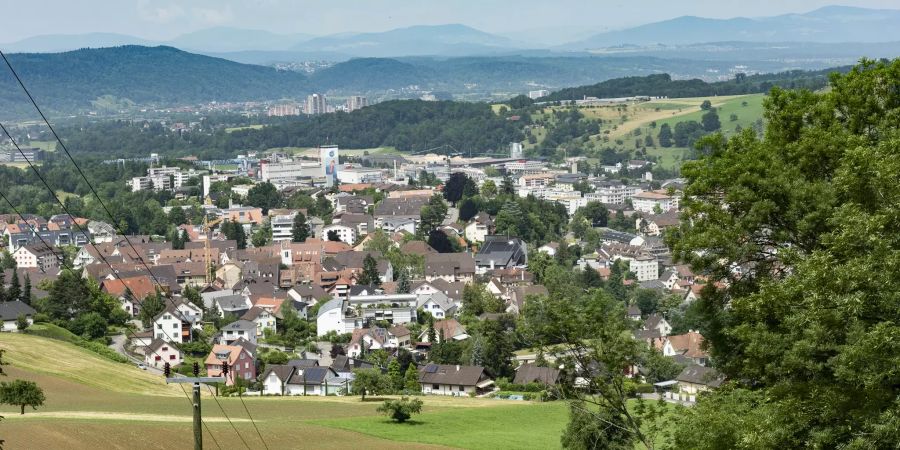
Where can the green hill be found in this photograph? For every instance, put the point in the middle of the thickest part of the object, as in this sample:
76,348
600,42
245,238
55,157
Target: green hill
70,81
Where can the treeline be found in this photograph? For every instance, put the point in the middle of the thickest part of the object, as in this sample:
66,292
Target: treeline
408,125
662,85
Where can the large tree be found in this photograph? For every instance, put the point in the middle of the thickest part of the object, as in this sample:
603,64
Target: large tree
265,196
459,185
369,273
807,331
300,228
21,393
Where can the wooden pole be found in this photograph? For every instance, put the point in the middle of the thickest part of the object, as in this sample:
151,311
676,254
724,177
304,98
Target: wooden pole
198,421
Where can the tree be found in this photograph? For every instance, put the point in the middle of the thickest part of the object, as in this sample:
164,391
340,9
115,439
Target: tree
264,195
706,105
401,410
647,300
21,322
300,228
665,135
489,189
468,208
432,215
394,373
89,326
370,381
710,121
403,284
369,273
150,308
733,117
459,185
432,334
263,235
68,296
816,195
21,393
333,236
15,289
235,231
411,379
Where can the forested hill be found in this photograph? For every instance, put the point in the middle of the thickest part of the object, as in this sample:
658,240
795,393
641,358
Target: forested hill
70,81
664,86
408,125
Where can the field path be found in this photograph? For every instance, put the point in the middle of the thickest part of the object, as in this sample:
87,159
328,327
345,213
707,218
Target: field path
117,416
644,119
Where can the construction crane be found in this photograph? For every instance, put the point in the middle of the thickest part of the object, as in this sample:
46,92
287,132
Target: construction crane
207,228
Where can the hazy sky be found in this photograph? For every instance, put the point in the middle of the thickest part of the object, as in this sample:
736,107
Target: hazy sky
164,19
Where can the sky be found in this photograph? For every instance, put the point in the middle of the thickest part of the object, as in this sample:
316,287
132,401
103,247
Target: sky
549,20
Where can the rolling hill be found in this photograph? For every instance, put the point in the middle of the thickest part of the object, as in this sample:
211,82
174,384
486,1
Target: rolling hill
828,24
70,81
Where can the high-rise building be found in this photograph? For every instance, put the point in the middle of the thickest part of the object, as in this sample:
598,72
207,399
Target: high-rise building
288,109
515,150
356,102
315,104
534,95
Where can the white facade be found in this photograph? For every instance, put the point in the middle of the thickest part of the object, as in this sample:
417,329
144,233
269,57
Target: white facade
447,389
356,175
168,328
345,234
264,321
645,268
648,202
166,353
475,232
290,170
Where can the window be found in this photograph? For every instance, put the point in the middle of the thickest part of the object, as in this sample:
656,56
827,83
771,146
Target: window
247,366
158,357
435,386
175,326
172,357
461,389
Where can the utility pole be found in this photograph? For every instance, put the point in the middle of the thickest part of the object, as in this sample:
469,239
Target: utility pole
195,380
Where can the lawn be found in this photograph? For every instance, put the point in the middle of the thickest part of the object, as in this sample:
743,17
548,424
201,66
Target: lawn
248,127
510,426
730,105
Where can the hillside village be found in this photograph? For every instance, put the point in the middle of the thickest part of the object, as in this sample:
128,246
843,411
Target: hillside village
403,266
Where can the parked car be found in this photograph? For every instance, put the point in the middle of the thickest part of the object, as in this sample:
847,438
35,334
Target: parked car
142,366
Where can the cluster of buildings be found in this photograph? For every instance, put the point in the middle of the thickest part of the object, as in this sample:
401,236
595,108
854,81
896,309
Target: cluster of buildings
316,104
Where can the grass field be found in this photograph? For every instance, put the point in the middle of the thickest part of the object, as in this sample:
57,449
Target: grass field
248,127
94,403
49,146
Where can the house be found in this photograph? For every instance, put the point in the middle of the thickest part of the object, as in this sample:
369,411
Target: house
688,345
656,224
400,336
450,267
159,352
532,373
239,329
645,267
654,201
633,312
446,329
274,380
695,379
454,380
316,381
241,363
416,247
343,315
263,318
374,338
657,323
500,252
174,323
549,248
10,312
519,294
130,291
479,227
398,224
438,304
39,256
345,233
235,304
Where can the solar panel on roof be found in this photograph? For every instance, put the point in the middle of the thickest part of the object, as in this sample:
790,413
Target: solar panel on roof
431,368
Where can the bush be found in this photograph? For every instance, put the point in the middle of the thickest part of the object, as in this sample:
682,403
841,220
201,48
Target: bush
51,331
401,410
644,389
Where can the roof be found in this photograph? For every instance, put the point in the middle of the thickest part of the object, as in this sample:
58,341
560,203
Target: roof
232,352
12,310
689,344
451,374
696,374
311,375
417,248
532,373
450,328
253,313
652,195
140,286
240,325
233,302
449,264
334,303
501,250
282,371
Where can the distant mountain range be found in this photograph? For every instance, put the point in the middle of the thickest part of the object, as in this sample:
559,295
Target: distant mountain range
71,82
832,24
828,24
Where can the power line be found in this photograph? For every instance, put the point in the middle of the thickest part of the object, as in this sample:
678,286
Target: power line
226,415
90,186
254,423
113,272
